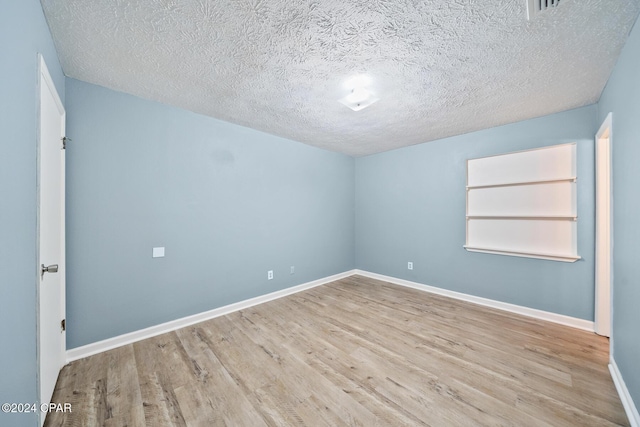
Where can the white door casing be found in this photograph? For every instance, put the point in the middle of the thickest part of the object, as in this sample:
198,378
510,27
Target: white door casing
603,271
51,235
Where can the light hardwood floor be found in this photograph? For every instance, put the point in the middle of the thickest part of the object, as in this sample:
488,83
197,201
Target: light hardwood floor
354,352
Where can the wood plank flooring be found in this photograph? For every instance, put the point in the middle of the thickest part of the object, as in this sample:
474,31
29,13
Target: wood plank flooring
355,352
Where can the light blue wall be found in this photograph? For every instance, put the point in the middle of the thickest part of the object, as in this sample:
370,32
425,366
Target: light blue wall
622,97
23,33
410,206
227,202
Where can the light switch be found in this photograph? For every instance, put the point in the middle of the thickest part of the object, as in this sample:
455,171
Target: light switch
158,252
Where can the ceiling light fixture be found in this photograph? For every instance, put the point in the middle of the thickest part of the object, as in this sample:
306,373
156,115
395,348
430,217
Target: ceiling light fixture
360,97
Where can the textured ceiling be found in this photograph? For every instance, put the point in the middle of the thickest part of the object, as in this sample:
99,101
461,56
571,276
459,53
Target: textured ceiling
440,68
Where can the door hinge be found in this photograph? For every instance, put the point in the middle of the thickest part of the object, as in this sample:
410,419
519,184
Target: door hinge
64,142
63,324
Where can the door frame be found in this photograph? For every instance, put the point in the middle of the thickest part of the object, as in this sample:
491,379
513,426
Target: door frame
44,78
603,311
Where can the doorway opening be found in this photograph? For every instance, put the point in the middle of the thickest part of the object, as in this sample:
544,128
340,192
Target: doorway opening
604,235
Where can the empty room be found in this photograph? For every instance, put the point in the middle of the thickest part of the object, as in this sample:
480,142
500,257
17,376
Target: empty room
320,213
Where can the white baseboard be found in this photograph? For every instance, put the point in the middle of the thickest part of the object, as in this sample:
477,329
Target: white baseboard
518,309
131,337
627,401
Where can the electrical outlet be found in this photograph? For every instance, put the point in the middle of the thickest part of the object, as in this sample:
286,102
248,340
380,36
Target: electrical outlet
410,265
269,274
293,269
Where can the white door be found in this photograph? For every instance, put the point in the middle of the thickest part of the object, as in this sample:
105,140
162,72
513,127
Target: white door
603,229
51,232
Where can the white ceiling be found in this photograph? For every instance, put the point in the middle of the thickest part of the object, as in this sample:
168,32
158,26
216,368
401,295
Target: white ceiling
440,68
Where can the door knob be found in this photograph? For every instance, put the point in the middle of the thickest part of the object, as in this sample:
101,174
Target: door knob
53,268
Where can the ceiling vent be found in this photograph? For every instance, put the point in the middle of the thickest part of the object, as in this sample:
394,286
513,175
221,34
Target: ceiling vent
535,7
